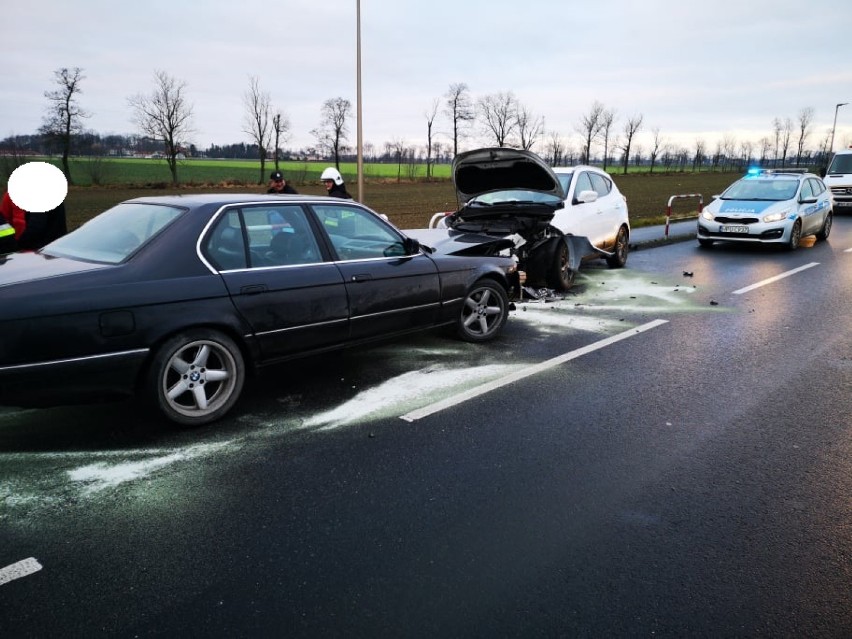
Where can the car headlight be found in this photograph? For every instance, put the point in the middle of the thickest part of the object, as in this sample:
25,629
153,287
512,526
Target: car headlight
776,217
707,215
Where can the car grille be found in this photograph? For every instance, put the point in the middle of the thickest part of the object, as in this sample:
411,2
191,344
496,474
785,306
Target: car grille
736,220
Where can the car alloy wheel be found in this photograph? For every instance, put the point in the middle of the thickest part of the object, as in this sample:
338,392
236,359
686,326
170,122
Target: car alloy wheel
196,377
795,235
561,275
619,256
825,231
484,312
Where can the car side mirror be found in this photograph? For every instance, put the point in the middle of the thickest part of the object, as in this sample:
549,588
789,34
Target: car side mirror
585,197
411,246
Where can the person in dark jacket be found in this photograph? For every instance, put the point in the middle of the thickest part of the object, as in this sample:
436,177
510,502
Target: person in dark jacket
334,183
277,184
33,229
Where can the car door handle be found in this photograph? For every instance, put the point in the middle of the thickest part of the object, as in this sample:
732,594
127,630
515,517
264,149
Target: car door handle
253,289
361,277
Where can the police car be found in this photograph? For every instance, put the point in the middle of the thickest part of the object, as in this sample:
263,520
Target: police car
768,207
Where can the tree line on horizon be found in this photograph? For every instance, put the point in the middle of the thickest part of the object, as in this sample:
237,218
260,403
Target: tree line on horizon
163,119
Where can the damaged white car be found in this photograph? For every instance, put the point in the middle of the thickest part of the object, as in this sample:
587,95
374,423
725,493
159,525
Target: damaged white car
555,219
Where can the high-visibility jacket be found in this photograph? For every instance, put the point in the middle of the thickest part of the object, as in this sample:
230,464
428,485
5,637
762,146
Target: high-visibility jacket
13,214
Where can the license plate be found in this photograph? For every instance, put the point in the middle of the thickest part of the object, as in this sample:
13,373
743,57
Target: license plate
838,203
730,228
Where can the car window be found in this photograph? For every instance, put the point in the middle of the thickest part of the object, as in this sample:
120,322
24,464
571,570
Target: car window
817,186
765,189
807,190
584,183
565,180
225,245
114,235
357,234
600,184
841,164
280,235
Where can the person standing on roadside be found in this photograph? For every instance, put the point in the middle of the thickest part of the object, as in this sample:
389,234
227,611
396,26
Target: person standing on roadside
278,185
334,183
32,230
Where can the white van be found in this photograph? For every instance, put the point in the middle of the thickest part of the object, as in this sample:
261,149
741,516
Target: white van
838,178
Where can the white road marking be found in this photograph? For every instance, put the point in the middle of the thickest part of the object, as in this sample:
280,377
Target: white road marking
19,569
849,250
525,372
775,279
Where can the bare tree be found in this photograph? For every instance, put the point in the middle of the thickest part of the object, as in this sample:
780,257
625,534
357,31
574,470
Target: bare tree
530,127
280,132
765,144
777,127
729,149
590,127
631,127
786,134
607,118
63,114
698,158
657,142
430,114
555,148
460,110
165,115
499,115
746,150
332,131
257,121
806,117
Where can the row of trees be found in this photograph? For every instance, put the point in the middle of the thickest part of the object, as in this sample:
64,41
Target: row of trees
163,119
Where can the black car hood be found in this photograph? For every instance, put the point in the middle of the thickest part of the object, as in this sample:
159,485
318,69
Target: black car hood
500,169
28,266
450,242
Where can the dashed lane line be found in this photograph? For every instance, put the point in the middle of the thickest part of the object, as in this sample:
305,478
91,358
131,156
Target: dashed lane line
511,378
19,569
770,280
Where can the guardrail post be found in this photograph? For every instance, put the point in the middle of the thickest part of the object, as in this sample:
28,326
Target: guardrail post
678,197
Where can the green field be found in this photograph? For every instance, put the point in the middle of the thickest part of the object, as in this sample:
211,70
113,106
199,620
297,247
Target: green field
409,202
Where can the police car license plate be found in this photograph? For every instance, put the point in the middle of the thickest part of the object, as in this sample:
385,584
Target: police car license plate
730,228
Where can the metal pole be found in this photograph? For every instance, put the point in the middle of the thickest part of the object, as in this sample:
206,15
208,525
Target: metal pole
834,126
360,142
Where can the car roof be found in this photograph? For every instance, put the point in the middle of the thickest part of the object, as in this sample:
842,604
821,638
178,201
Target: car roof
200,199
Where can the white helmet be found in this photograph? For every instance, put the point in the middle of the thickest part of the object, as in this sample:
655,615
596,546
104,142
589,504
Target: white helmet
332,174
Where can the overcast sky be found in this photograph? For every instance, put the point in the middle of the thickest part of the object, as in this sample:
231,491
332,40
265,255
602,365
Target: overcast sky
695,70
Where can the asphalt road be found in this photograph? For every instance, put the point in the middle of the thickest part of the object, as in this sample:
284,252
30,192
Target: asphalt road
664,452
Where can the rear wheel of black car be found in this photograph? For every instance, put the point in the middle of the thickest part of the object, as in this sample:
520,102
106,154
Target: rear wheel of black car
619,254
484,312
560,274
196,377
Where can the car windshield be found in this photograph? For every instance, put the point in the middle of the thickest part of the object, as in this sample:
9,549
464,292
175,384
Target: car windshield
841,164
113,235
754,189
565,180
514,196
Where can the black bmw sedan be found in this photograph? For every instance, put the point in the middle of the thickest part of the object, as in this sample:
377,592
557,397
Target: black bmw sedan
177,297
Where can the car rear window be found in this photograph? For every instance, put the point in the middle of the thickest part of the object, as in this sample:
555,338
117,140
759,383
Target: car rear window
115,234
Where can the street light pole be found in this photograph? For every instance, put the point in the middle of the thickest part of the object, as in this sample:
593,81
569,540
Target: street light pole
834,126
358,117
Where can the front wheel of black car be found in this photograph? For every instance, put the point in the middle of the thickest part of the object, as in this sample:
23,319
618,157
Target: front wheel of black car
484,312
196,377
